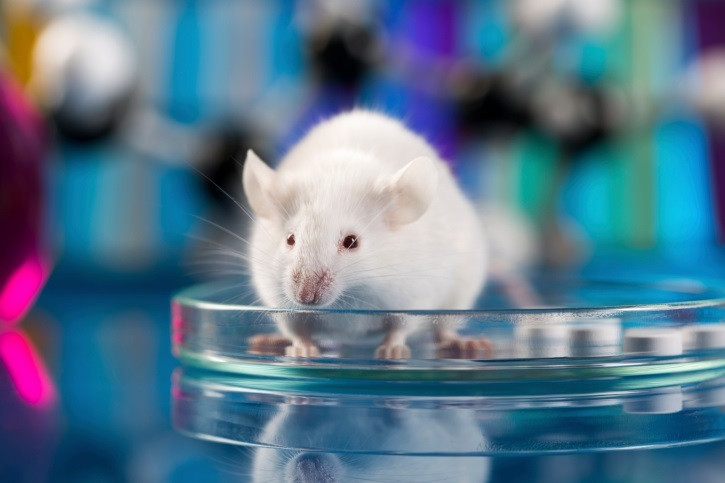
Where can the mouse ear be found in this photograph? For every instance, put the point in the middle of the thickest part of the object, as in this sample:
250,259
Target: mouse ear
413,188
258,180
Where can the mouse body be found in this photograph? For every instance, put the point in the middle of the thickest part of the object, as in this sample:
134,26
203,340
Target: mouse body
362,213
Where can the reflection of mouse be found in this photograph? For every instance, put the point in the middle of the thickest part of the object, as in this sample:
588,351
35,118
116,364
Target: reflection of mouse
363,214
450,430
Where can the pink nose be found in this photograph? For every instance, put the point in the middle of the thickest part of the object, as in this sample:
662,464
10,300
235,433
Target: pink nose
308,294
309,289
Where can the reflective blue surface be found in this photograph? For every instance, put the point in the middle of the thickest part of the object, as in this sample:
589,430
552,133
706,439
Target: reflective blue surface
506,417
107,348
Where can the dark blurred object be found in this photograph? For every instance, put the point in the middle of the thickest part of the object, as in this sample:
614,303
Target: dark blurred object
488,103
343,53
22,251
343,42
221,161
577,116
84,74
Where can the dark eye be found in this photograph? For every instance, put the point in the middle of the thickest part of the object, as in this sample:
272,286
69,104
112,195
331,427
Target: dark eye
350,242
290,239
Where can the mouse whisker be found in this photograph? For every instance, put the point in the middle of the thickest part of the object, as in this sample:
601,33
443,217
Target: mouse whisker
388,267
354,275
230,257
222,249
236,256
411,275
222,228
377,215
216,271
225,193
281,207
440,260
356,302
422,256
229,232
217,250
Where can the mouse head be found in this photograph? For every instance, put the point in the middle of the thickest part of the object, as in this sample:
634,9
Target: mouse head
325,226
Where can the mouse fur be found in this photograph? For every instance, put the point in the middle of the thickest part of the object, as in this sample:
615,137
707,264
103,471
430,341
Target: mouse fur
362,213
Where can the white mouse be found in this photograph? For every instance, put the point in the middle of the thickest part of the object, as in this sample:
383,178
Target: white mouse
362,214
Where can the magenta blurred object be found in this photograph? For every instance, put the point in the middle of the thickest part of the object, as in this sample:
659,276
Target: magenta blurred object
23,259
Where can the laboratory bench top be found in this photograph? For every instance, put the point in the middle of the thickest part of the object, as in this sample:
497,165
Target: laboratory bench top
98,404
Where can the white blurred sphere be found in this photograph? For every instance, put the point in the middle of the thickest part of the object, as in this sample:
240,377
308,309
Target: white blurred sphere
587,16
594,16
537,15
84,68
705,85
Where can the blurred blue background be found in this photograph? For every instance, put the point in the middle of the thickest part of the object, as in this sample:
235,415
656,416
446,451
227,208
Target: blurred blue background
601,121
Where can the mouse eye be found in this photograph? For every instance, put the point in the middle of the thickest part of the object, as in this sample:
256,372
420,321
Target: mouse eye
291,239
349,242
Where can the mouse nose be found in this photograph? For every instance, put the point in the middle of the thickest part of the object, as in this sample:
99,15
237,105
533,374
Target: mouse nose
307,294
309,289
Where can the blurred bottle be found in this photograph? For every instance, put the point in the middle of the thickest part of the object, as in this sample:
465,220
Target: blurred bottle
23,258
27,393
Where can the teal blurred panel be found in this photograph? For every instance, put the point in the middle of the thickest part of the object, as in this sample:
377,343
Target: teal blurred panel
484,30
285,58
179,200
183,101
587,196
76,186
216,55
125,216
530,173
684,194
592,59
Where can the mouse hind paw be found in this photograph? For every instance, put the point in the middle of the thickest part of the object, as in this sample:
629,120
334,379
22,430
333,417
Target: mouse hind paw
268,344
302,349
465,348
393,351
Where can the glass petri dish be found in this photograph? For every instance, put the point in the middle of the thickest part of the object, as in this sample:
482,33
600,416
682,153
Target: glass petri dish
602,366
579,335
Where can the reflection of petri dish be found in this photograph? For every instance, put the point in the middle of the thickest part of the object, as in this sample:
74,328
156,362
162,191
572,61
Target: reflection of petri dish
558,379
422,420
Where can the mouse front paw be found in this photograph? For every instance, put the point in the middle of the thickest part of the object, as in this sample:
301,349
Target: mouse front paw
268,344
302,349
465,348
393,351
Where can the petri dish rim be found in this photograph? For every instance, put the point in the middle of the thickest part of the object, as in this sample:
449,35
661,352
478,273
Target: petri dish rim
197,297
